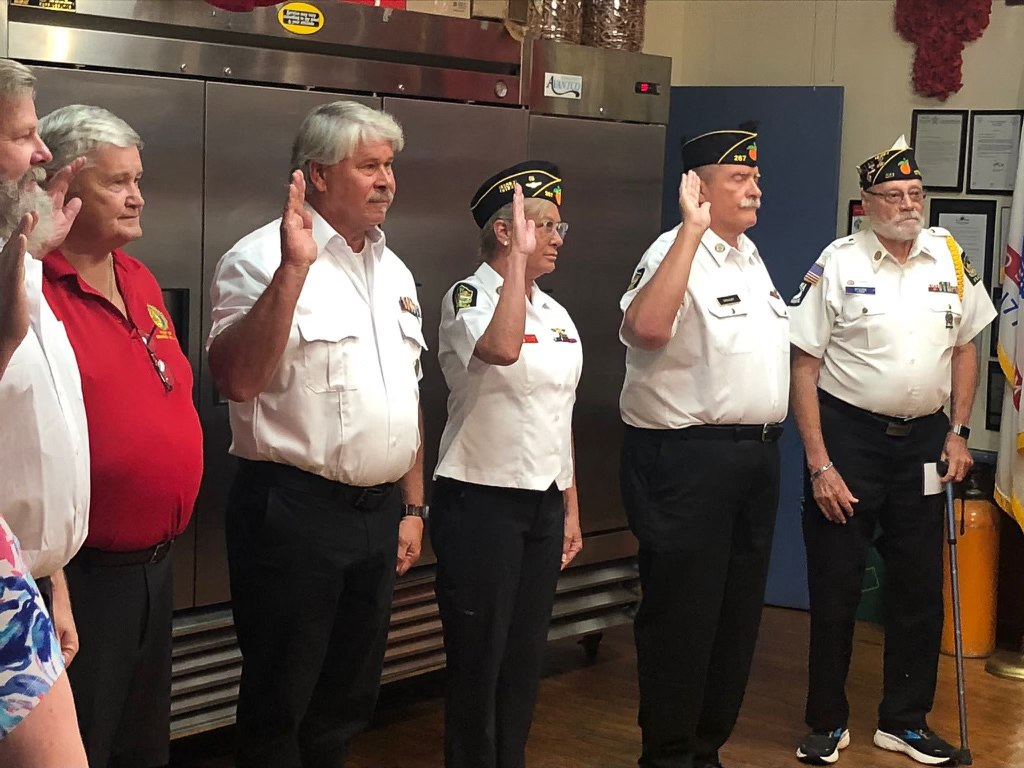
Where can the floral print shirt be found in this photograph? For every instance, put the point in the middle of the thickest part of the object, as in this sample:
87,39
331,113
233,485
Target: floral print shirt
30,658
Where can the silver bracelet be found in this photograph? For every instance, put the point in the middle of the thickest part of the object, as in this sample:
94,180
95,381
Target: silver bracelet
819,472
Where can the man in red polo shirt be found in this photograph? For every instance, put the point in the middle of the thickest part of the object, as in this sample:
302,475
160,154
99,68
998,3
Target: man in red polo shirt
145,441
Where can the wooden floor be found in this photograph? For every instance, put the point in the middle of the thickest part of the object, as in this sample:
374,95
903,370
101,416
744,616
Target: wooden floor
586,715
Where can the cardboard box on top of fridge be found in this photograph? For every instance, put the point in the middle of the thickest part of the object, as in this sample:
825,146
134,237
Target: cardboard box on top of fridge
458,9
490,9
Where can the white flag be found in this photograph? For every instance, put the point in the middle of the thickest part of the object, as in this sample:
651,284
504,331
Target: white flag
1010,466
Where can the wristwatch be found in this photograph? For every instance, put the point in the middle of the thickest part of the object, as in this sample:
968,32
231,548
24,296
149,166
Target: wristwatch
960,429
415,510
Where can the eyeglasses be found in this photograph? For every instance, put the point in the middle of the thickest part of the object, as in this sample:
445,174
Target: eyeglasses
548,228
158,364
895,197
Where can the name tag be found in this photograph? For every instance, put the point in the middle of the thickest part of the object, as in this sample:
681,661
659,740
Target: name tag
864,290
725,301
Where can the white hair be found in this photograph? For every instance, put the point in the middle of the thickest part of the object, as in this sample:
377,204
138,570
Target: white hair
16,79
331,132
78,130
532,206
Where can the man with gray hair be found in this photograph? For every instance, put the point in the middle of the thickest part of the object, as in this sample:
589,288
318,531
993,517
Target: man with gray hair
316,341
44,445
142,498
44,498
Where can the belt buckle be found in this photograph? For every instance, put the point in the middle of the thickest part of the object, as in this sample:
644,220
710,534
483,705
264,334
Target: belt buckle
898,428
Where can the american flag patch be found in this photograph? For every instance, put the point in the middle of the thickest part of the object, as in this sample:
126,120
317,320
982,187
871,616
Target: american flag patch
814,274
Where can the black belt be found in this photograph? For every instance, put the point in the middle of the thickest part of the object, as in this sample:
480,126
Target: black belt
105,559
296,479
761,433
893,426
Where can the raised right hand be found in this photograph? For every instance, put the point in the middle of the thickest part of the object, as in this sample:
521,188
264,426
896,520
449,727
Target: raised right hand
298,248
694,213
524,231
833,497
13,299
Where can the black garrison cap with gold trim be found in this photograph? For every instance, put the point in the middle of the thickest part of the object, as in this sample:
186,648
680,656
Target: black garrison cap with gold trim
536,177
729,147
896,164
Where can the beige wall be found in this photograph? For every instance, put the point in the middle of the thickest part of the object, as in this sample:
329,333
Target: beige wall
852,43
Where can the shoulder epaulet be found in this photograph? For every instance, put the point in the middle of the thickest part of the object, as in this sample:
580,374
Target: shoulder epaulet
463,296
842,242
938,231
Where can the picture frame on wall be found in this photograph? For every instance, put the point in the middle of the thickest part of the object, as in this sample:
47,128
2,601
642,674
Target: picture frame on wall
855,218
939,139
994,149
973,224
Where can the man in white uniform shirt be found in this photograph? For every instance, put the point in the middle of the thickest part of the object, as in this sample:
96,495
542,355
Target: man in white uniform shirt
707,376
44,444
881,330
316,340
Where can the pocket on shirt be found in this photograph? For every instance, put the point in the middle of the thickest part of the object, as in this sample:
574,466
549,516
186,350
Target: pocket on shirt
865,316
729,327
412,340
939,331
328,346
412,331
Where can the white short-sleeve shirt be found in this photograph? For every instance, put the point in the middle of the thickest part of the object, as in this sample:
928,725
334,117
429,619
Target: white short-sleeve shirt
727,361
344,400
44,439
509,426
885,332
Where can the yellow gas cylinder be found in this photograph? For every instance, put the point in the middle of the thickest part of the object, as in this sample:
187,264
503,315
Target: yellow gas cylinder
977,545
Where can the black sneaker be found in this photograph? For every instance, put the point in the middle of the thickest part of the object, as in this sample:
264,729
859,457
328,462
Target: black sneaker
822,747
922,745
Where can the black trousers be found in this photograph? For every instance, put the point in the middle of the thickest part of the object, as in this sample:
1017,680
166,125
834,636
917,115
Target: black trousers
498,558
886,474
312,566
704,514
121,675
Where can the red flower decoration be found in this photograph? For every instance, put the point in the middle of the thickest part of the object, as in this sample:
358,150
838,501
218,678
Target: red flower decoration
940,29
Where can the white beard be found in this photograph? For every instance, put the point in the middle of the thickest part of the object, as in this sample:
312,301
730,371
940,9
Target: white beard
16,200
900,232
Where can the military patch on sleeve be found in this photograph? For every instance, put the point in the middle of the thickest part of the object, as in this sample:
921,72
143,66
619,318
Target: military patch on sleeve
801,292
969,271
637,277
464,296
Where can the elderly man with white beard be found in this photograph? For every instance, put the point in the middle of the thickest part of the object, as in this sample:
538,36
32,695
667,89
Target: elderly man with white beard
881,329
44,450
44,446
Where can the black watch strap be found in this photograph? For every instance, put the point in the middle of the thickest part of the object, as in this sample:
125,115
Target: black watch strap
415,510
960,429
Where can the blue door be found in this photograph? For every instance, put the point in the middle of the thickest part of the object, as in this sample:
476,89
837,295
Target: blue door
799,148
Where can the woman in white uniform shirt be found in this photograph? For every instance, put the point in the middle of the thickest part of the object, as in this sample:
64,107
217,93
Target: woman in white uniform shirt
504,517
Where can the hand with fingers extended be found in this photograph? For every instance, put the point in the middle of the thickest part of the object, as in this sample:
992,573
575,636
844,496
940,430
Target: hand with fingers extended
13,299
524,231
832,496
298,248
695,213
64,211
